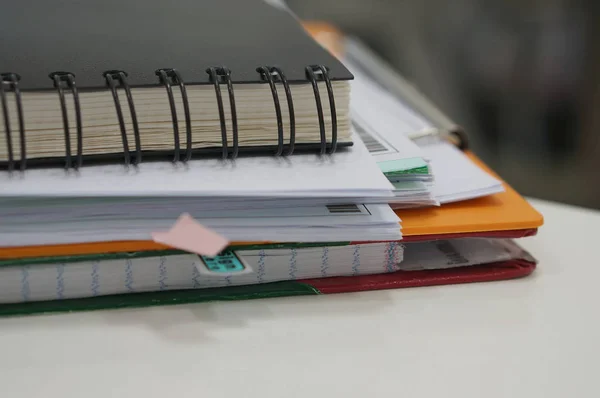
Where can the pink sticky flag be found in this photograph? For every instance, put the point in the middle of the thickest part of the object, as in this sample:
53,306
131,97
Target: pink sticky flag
189,235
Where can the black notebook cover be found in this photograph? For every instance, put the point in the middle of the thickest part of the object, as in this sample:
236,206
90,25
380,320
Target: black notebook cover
81,41
89,37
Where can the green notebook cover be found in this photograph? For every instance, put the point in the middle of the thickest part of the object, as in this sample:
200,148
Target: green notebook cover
171,297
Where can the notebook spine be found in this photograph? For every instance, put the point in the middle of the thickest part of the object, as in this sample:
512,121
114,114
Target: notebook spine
169,77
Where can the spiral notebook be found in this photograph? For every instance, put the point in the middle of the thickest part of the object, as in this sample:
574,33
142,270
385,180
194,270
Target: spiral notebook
128,81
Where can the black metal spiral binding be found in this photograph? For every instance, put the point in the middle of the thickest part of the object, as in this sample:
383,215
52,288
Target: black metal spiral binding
265,72
169,77
272,74
12,80
58,78
290,101
164,75
312,77
216,75
112,77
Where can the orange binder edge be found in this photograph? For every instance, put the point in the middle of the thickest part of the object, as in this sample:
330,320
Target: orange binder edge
78,249
504,211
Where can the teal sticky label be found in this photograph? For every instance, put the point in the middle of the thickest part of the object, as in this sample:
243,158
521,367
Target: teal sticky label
226,262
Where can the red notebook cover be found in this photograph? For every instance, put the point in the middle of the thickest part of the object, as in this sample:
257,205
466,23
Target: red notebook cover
477,273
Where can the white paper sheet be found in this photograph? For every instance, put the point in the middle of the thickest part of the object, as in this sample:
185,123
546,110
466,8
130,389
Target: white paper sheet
312,224
456,176
460,253
347,172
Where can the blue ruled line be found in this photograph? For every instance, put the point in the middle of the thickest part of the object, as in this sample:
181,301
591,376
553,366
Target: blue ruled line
25,291
60,281
129,276
293,269
356,260
162,274
95,285
260,272
324,261
391,250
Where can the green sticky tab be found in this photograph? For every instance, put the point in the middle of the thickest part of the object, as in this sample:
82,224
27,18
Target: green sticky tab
419,171
224,263
402,165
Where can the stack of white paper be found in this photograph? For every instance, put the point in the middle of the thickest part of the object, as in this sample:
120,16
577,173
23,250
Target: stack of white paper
386,117
319,198
376,119
297,224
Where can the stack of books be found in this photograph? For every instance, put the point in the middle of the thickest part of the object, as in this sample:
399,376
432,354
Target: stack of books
217,166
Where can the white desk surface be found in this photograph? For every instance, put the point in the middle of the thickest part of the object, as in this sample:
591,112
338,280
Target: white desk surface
534,337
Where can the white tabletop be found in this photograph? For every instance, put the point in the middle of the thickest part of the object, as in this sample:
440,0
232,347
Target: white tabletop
533,337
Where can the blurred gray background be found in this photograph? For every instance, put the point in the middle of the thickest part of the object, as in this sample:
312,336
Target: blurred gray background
522,77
